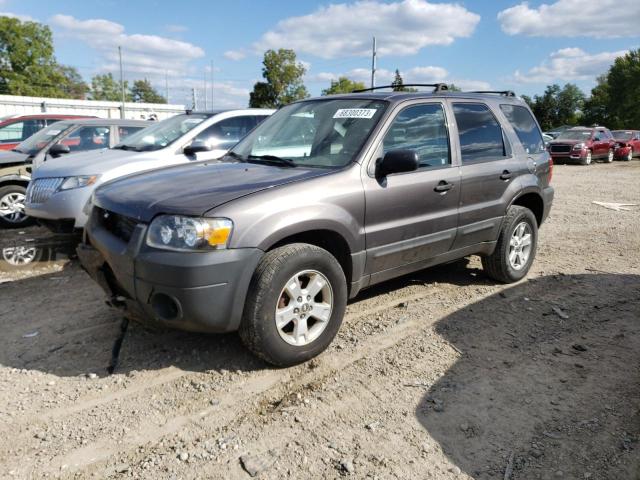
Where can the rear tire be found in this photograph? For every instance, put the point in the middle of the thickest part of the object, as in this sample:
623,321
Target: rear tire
516,247
609,158
10,197
284,321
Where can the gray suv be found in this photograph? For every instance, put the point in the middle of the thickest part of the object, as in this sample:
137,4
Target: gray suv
323,199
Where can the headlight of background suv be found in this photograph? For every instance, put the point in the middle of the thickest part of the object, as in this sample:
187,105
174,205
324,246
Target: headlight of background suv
78,182
174,232
578,146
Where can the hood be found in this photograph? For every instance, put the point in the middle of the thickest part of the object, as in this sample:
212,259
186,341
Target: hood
92,162
567,142
193,189
9,157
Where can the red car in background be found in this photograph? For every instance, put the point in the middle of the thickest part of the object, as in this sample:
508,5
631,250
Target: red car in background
582,145
627,143
17,128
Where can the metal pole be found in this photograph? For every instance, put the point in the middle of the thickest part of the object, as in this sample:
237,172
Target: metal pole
204,90
194,99
121,81
212,85
373,64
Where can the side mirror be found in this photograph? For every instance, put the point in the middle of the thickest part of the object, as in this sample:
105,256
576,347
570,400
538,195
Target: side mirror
196,146
397,161
58,149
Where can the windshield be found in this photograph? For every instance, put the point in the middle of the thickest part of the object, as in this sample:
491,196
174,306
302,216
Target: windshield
38,141
316,133
622,134
574,135
163,133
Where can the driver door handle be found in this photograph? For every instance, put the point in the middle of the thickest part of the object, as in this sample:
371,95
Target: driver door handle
443,187
506,175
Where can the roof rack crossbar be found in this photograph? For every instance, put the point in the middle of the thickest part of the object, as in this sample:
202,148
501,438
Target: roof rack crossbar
437,87
506,93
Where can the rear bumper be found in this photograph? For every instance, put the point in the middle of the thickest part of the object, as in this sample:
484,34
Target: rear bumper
196,291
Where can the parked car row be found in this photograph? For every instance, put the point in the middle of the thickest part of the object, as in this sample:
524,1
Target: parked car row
583,145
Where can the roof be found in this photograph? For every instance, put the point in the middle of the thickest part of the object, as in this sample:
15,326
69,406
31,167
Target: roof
217,112
110,121
396,97
63,116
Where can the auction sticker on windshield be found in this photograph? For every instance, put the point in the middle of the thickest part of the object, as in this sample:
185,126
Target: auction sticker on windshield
355,113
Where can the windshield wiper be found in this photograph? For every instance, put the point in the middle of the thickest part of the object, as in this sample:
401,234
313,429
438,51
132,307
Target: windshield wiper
16,150
273,159
122,146
235,155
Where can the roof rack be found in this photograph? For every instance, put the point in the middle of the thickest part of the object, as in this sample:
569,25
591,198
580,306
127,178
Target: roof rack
506,93
437,87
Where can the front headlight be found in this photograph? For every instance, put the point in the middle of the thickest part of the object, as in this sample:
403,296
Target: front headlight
578,146
78,182
175,232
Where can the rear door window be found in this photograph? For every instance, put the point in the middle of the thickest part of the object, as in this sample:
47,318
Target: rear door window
525,127
481,137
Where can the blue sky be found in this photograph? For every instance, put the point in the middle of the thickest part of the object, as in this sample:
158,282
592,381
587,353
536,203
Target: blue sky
475,44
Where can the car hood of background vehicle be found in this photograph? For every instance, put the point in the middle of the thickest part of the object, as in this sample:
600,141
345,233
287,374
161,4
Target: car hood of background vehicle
193,189
567,142
7,158
92,162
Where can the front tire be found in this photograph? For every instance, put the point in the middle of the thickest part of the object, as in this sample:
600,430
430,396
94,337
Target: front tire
12,214
587,159
296,302
629,155
516,247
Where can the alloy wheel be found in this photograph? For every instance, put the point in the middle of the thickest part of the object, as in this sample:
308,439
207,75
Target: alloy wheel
520,246
304,308
12,207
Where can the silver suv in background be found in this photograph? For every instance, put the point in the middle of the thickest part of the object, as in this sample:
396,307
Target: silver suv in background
60,188
59,139
327,197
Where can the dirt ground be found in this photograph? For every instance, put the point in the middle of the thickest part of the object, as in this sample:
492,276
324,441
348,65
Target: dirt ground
442,374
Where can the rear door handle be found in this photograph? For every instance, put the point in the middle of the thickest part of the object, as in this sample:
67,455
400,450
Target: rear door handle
443,187
506,175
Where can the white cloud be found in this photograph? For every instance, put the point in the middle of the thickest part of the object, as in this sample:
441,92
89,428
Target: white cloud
19,16
143,54
573,18
569,64
235,55
401,28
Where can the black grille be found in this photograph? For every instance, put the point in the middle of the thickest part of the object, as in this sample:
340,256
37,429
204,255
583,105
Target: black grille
560,148
119,225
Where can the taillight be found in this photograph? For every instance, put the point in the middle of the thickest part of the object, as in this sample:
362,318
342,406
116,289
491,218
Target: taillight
550,169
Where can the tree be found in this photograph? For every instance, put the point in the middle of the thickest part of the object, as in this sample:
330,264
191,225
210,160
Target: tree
27,63
454,88
143,92
596,107
283,85
73,84
398,84
104,87
570,104
343,85
623,85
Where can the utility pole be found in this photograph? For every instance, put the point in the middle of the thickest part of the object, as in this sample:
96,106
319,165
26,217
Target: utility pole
212,85
194,99
121,81
373,64
166,85
204,90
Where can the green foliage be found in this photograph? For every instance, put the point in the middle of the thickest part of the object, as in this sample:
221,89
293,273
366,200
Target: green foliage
283,80
143,92
398,84
28,66
343,85
558,106
105,87
623,88
454,88
596,108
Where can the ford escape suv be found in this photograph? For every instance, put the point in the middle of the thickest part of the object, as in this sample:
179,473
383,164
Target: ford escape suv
326,197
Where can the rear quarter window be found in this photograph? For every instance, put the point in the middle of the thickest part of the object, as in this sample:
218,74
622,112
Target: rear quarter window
481,137
525,127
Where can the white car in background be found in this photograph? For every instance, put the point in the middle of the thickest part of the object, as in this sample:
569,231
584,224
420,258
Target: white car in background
59,190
